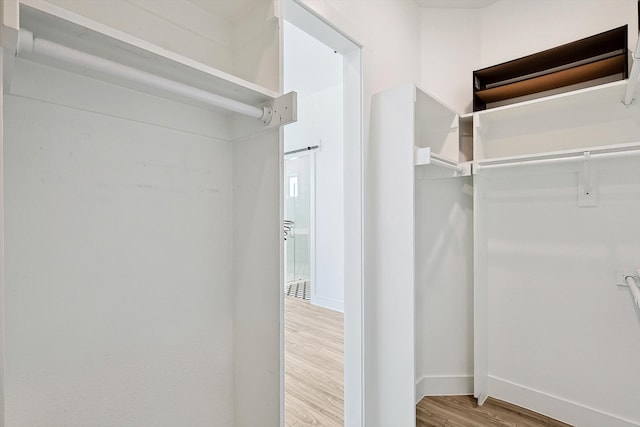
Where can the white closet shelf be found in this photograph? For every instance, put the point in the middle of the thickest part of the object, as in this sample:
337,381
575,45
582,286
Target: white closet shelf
61,27
608,92
578,120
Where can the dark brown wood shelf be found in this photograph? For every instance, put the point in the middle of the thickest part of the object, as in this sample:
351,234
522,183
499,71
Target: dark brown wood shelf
595,57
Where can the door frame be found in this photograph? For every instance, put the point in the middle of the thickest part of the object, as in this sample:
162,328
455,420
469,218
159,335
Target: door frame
297,13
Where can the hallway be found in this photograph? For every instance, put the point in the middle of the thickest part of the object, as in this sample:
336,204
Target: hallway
313,365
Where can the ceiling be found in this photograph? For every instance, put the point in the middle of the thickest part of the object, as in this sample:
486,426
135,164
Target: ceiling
455,4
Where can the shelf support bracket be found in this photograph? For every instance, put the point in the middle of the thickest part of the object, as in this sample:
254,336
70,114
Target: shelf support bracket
587,191
281,111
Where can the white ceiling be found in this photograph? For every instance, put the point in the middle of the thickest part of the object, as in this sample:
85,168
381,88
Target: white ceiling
455,4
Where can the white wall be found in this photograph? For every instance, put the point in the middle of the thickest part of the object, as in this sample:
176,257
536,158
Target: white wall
511,29
454,42
388,31
315,72
449,40
119,303
257,233
563,338
444,285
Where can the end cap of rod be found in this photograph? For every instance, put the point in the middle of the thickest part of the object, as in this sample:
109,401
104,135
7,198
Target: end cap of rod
267,114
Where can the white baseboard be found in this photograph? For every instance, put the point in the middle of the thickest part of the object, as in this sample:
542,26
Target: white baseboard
553,406
445,385
329,303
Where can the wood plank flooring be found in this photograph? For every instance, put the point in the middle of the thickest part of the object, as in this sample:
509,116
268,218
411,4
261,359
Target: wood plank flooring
463,411
314,389
314,366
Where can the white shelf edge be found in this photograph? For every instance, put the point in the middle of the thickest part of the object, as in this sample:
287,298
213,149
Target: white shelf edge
551,98
119,36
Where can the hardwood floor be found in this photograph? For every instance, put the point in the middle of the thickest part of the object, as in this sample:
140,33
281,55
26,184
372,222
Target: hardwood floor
462,411
314,354
314,389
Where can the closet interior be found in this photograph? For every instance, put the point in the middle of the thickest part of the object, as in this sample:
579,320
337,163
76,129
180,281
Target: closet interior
142,209
518,247
142,228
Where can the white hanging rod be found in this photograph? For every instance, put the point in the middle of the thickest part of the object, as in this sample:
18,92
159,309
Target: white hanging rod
632,282
424,156
29,46
633,77
446,164
547,159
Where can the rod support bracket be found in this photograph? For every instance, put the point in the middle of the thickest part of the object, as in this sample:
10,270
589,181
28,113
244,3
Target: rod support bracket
621,277
281,110
587,190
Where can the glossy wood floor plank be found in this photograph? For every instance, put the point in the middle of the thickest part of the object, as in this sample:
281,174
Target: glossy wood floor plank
314,354
462,411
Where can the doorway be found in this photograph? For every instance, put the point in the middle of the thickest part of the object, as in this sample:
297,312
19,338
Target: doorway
322,195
